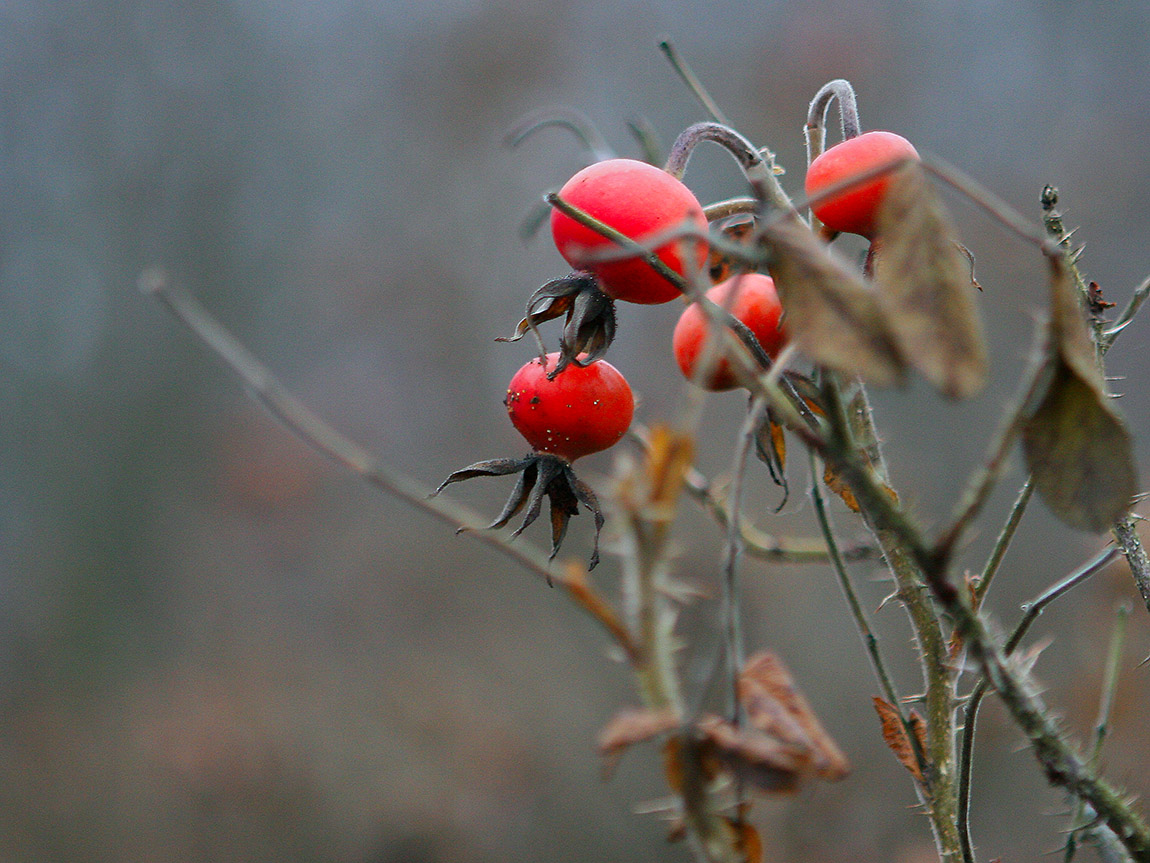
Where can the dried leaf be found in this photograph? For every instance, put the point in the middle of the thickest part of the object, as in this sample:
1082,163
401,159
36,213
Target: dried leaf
924,282
748,842
839,486
668,457
836,484
631,726
759,759
834,318
894,733
1076,446
775,706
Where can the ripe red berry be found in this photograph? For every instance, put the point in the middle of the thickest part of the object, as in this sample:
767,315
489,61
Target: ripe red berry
756,305
638,200
854,211
583,410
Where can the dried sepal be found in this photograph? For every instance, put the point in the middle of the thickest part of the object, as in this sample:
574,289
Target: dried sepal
833,317
925,283
590,325
895,735
540,475
1076,446
771,450
630,726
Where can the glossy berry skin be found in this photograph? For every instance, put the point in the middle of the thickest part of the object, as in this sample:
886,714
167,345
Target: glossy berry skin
641,201
756,305
855,210
583,410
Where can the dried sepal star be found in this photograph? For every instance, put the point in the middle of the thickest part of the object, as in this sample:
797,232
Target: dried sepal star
589,328
540,474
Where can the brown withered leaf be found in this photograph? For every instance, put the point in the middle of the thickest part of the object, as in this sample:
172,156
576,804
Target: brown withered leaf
748,842
775,706
631,726
894,733
1076,446
924,283
760,760
836,484
840,487
833,317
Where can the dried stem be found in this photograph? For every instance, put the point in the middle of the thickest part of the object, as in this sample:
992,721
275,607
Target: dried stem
908,558
576,122
1032,611
862,623
692,81
1002,541
760,172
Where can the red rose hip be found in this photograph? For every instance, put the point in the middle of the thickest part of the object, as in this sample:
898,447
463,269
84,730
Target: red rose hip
640,201
585,409
855,210
756,305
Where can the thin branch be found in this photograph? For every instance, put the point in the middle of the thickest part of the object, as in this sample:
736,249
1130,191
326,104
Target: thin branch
985,478
1126,535
692,81
308,427
1123,320
1002,542
862,623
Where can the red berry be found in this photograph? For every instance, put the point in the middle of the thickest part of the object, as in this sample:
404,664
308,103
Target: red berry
583,410
756,305
854,211
638,200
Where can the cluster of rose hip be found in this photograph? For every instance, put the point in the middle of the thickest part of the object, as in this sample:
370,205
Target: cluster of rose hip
629,229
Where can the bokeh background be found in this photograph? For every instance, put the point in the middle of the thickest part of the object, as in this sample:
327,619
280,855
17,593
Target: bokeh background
215,645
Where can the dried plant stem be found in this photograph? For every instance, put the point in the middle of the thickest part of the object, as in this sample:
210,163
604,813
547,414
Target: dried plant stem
1101,837
1125,531
759,170
1123,320
576,122
906,556
862,623
732,609
1126,535
692,81
983,481
1032,611
1003,540
841,90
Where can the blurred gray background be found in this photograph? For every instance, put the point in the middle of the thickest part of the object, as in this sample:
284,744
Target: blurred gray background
214,645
